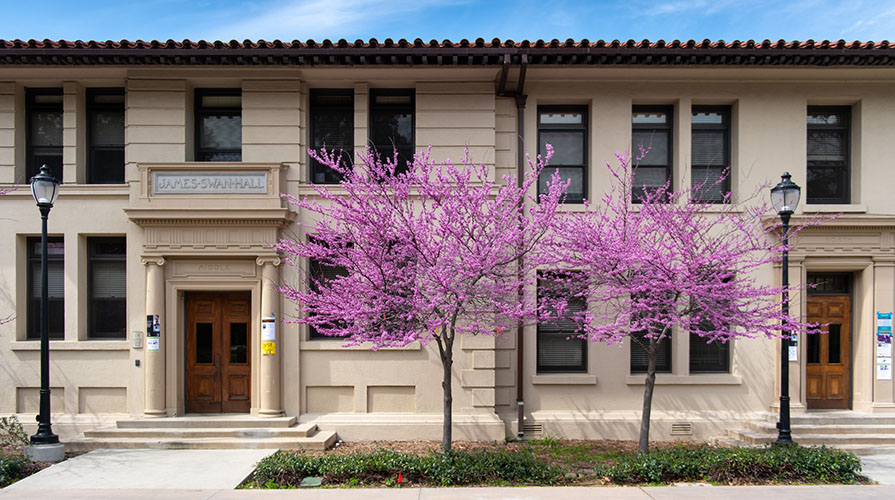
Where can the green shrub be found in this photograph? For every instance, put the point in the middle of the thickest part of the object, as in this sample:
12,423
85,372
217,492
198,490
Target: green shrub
11,432
10,467
455,468
734,465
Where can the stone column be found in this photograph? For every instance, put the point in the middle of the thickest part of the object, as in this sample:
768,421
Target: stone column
154,361
271,387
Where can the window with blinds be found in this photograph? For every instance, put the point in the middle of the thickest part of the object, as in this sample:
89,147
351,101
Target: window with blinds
651,130
710,153
640,358
105,132
392,113
564,128
44,131
107,285
559,348
709,357
320,273
332,127
218,124
55,288
829,156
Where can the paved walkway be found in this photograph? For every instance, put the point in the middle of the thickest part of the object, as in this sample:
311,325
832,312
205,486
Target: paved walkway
880,468
565,493
145,469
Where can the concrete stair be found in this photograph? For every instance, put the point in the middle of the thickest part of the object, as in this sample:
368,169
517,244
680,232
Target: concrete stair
860,433
203,432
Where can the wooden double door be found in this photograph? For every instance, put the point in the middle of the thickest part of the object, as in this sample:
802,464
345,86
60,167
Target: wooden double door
219,366
828,354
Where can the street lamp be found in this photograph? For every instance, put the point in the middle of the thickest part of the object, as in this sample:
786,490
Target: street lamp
44,188
785,198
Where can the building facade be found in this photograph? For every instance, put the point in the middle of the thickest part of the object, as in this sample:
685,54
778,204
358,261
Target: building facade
173,157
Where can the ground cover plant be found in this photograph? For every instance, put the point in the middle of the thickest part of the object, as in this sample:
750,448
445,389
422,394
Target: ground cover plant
553,462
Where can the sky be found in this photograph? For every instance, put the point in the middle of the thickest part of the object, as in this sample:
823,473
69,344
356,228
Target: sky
449,19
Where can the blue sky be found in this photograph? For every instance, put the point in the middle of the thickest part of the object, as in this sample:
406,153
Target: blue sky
451,19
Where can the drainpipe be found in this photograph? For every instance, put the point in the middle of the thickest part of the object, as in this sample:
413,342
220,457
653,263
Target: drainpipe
520,98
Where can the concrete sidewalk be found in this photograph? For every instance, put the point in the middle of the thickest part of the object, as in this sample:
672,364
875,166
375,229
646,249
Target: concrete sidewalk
522,493
145,469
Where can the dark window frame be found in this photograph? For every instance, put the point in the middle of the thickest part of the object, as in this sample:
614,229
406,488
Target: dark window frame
668,109
662,366
32,304
316,167
374,108
201,111
92,149
315,270
570,368
725,126
31,166
563,127
846,169
92,259
846,290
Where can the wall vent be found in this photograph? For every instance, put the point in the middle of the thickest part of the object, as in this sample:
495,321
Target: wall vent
532,430
681,429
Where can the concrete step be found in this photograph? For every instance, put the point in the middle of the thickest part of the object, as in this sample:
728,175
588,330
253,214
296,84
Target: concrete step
771,428
754,437
834,418
319,441
298,431
200,422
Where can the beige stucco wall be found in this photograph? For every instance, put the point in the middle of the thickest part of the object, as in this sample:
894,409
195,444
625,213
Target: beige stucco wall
396,392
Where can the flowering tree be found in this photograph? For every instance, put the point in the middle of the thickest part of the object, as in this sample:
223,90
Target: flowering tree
670,263
424,255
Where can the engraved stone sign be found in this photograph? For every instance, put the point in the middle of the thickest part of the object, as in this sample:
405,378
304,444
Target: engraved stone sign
209,183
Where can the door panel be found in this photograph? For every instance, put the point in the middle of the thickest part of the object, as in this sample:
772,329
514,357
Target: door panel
218,345
828,354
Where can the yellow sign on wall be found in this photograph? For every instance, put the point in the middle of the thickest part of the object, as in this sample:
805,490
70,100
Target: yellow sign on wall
268,348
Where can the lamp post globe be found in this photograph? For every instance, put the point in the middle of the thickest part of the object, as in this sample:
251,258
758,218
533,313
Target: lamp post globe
785,198
44,189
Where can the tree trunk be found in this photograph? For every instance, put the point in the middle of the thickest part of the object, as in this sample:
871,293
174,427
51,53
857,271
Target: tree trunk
447,362
643,446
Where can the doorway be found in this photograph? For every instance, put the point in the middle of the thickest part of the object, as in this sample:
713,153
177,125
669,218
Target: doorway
828,354
218,352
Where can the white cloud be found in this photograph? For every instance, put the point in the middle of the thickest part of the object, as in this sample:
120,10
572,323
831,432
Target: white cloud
318,19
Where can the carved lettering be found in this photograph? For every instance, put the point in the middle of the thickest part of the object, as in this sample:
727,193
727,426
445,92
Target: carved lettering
210,183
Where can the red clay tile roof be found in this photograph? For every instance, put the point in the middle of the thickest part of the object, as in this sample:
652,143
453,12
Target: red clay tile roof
464,52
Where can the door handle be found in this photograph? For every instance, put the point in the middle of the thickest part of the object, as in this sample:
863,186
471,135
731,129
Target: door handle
217,367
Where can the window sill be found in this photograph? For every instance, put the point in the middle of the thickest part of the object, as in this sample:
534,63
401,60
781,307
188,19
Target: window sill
702,379
336,345
24,190
834,209
564,379
67,345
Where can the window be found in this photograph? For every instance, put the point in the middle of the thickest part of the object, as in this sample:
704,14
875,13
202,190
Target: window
44,117
565,128
332,127
640,359
218,125
392,124
105,132
710,153
651,129
829,284
709,357
55,288
107,284
322,273
828,154
559,348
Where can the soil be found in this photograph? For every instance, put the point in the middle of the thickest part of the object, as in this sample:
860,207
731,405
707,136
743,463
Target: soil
30,467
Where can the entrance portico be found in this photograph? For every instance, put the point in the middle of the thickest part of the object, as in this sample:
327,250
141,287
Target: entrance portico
201,244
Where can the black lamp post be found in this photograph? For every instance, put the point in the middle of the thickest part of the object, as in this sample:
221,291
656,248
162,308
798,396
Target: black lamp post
44,188
785,198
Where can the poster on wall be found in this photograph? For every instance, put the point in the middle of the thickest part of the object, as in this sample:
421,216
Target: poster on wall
268,329
152,344
268,348
794,347
884,346
153,325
